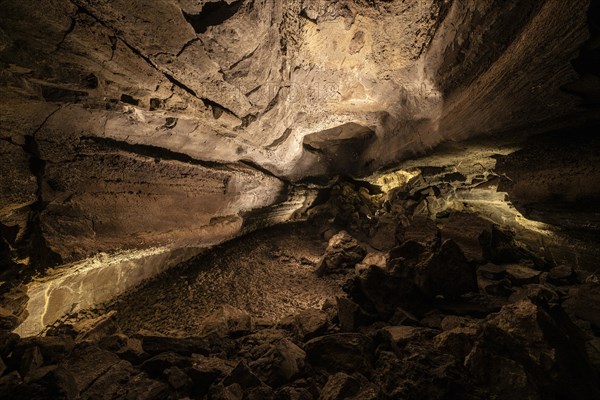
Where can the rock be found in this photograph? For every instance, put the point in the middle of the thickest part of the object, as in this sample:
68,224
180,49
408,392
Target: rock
398,336
384,237
228,320
376,258
2,367
502,288
53,349
465,229
585,303
453,321
242,376
343,251
207,370
307,324
499,246
289,361
521,274
94,329
532,351
112,384
422,230
351,315
154,345
447,265
341,352
30,361
535,293
492,271
8,321
177,378
156,365
143,388
341,386
562,275
129,349
456,341
88,363
13,308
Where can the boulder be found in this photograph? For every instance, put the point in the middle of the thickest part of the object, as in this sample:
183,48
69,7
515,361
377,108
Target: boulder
306,324
448,265
341,352
342,386
520,274
343,252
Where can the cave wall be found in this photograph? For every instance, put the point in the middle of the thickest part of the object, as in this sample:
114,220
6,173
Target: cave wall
128,125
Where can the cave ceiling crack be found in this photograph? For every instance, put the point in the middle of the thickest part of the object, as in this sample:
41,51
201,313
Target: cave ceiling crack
149,61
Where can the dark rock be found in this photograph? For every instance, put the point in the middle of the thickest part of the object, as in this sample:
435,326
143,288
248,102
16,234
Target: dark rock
532,351
177,378
340,386
54,349
456,341
465,229
341,352
112,384
8,341
307,324
30,361
535,293
154,345
156,365
351,315
141,387
499,246
88,363
585,303
343,251
242,376
384,237
207,370
562,275
520,274
447,265
399,336
422,230
492,271
278,364
129,349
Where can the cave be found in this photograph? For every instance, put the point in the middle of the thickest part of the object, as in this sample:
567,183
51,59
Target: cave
300,199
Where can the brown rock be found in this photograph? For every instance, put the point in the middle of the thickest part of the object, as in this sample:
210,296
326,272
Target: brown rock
341,352
343,251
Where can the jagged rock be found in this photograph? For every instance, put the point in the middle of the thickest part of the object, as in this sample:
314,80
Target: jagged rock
562,275
399,336
129,349
447,265
421,230
535,292
384,237
456,341
242,375
113,383
585,303
95,328
53,349
207,370
177,378
30,361
465,229
343,251
492,271
227,320
529,351
341,352
341,386
306,324
154,345
351,315
521,274
156,365
499,246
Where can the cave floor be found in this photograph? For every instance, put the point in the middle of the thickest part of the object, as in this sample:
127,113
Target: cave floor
269,273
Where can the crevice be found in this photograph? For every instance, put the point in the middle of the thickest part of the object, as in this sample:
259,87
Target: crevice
212,14
217,108
281,139
188,44
42,256
152,151
262,169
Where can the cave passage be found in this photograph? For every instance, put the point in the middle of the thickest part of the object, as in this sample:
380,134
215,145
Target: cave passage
297,200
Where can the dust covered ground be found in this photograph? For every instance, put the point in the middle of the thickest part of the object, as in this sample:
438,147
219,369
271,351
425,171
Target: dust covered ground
270,274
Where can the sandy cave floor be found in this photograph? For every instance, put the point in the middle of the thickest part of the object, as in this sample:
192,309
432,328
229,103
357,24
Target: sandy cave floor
269,273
